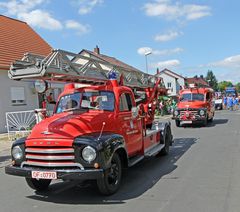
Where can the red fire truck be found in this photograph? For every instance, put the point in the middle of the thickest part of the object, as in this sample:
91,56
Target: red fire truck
195,105
103,122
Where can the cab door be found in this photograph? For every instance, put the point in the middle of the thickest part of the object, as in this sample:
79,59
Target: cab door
130,126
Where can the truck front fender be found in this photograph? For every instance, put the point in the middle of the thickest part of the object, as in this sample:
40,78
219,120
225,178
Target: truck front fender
105,146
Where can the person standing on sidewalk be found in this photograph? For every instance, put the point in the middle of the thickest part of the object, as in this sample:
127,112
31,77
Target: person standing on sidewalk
230,103
235,103
224,102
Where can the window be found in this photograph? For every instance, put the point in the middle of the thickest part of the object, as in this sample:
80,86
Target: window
18,96
68,102
90,100
169,84
192,97
98,100
125,102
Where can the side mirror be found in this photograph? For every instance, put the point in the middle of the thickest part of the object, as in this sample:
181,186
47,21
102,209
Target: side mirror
135,112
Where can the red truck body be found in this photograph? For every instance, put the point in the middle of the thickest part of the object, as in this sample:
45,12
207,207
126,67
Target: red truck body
195,105
96,131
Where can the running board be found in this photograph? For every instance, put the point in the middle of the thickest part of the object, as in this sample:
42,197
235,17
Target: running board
154,150
135,160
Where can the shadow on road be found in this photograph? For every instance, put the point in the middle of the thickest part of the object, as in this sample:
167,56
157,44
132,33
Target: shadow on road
217,122
4,158
136,180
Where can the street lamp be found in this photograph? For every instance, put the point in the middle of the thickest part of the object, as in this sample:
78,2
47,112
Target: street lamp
146,54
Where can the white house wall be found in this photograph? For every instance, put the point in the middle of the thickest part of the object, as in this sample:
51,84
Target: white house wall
168,79
5,98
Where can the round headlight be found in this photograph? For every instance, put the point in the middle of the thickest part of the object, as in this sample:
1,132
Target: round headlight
201,112
175,112
89,154
17,153
41,86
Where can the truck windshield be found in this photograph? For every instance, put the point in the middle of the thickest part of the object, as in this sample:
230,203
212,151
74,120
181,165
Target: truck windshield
191,97
94,100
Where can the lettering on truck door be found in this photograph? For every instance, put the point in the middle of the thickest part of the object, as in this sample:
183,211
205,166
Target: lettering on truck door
132,126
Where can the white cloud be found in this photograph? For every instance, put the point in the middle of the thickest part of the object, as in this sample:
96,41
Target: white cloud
80,28
230,75
14,7
42,19
164,52
27,10
166,64
86,6
176,11
228,68
167,52
229,62
171,35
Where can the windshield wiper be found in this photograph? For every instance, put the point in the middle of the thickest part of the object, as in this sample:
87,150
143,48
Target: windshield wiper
70,109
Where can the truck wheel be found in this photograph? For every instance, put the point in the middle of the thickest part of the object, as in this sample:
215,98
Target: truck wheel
210,120
111,180
205,122
165,150
38,185
177,123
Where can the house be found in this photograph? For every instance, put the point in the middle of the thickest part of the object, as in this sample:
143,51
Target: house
172,81
113,61
17,38
199,81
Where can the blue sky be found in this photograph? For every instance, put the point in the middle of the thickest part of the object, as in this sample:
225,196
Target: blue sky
188,37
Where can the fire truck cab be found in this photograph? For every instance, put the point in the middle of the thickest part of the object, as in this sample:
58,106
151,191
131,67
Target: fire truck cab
195,105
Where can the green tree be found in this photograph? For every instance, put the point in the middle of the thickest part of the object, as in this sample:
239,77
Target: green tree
222,85
238,87
212,80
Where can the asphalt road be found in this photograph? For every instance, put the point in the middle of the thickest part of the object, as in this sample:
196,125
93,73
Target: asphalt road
201,174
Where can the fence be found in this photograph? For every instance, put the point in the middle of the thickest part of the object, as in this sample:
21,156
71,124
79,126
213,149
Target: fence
20,123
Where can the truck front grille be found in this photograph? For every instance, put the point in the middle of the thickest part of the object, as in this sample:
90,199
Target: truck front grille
50,157
192,112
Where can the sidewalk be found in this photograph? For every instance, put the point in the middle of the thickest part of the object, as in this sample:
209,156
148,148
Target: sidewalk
5,144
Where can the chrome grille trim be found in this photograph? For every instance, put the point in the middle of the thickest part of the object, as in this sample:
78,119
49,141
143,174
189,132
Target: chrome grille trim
50,157
49,151
52,165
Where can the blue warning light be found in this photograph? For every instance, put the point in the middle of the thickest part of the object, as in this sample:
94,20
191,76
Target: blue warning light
112,75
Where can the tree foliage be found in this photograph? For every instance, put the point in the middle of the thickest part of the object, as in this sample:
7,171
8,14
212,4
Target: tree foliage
238,87
222,85
212,80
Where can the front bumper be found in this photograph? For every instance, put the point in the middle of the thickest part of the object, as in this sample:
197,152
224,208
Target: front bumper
61,174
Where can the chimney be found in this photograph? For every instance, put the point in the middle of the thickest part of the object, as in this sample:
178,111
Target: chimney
158,72
96,50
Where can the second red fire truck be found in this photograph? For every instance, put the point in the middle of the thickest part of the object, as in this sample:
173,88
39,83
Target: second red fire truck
195,105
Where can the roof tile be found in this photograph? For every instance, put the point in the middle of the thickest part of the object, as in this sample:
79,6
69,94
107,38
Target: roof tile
18,38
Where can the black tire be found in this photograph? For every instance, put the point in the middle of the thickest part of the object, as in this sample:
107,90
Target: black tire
210,120
111,181
177,123
38,185
168,136
205,122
